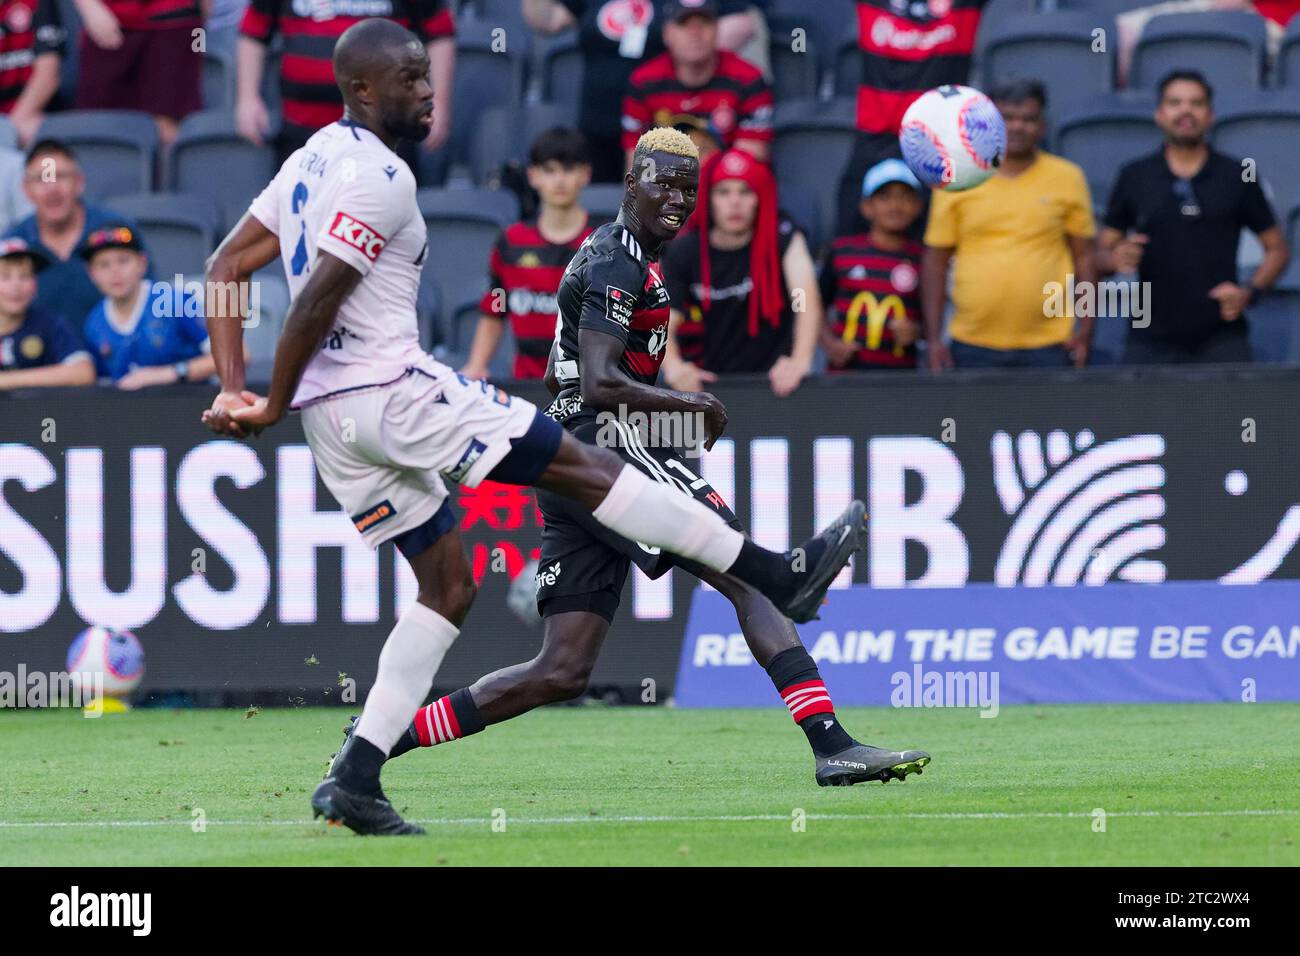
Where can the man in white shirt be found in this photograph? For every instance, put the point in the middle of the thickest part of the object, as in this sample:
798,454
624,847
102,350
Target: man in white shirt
387,423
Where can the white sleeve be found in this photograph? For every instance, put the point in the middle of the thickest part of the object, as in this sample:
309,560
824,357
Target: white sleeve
365,214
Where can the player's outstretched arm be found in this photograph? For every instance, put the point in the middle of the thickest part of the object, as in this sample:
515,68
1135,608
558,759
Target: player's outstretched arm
309,320
606,388
248,247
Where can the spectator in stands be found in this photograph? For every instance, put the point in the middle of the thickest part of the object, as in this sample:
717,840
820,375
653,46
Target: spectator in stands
615,36
890,34
62,220
309,96
1024,231
141,55
37,347
742,284
695,82
34,42
871,280
141,333
530,257
1175,217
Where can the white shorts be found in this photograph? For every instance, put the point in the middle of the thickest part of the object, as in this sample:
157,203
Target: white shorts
383,452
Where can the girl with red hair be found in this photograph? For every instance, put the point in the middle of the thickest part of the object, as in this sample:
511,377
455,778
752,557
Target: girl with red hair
742,282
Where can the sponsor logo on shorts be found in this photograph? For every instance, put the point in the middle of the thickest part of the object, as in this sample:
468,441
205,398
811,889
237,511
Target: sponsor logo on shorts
374,515
471,454
547,577
618,305
355,233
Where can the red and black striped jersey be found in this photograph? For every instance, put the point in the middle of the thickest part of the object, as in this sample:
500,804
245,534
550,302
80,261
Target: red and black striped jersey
612,286
28,28
524,272
156,14
908,47
310,29
735,105
867,286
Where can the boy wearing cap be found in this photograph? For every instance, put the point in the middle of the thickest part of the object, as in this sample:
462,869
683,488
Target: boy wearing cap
871,280
136,338
37,348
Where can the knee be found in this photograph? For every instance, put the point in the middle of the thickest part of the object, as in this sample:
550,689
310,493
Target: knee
563,679
452,599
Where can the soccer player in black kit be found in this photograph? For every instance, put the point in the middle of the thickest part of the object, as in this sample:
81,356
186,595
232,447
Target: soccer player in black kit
611,331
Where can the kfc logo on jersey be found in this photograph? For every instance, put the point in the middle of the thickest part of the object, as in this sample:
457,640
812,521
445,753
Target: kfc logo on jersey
358,235
618,305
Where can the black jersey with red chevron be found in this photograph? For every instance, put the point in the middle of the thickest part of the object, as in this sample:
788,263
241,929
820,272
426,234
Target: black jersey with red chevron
612,286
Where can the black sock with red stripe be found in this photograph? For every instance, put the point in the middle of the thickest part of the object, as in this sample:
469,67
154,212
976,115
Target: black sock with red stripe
800,685
446,719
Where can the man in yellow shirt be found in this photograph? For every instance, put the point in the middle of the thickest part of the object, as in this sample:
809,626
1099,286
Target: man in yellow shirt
1018,239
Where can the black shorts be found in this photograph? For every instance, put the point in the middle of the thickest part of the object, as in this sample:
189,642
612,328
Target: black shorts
584,565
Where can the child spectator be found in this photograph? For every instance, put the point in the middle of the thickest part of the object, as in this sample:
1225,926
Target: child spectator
142,55
37,348
871,280
530,257
746,279
136,338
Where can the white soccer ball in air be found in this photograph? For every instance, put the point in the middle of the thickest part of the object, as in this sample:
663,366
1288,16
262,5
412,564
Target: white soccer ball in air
113,657
953,138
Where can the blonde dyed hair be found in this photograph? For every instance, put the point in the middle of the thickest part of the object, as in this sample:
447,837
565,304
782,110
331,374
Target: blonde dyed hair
663,139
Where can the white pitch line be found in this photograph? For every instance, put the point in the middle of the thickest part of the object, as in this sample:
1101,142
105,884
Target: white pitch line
747,818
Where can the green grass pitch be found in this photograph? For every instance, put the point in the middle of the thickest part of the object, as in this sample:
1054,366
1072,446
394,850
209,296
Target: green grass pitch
1178,784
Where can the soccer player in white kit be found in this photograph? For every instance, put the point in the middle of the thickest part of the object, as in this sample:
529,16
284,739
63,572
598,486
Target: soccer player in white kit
387,423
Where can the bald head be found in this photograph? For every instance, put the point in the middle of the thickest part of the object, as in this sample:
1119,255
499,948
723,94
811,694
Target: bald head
367,48
382,70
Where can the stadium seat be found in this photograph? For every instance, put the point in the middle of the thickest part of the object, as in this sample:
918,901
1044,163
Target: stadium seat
796,74
1292,226
497,135
1286,71
210,158
428,311
272,291
846,67
1227,46
218,80
1273,321
1106,134
485,77
115,148
602,201
463,226
464,321
811,150
800,204
1055,49
562,70
1264,127
180,230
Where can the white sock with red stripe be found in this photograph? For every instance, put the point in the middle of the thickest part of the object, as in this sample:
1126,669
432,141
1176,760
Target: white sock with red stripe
807,699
